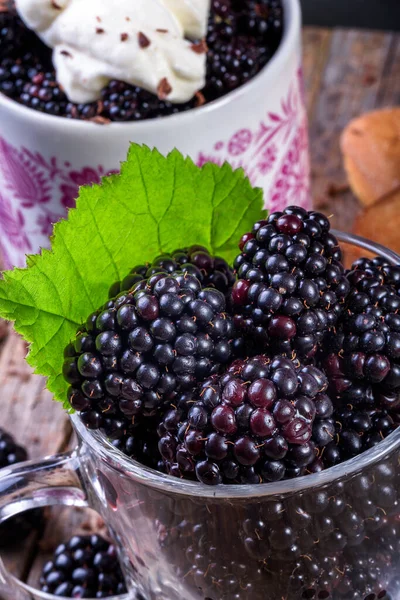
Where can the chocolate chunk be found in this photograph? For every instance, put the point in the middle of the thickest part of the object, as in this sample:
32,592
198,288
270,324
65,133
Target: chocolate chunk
164,89
144,41
200,47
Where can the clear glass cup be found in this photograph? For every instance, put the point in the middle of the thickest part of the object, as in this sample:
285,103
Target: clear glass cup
323,536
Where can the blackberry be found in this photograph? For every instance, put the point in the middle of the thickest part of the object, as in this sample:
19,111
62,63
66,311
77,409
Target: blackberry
241,39
140,443
42,91
84,567
14,36
365,576
252,424
292,284
19,527
350,432
145,346
210,271
317,544
363,361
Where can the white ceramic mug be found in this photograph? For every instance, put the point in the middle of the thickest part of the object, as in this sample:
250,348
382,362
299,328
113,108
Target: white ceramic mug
261,127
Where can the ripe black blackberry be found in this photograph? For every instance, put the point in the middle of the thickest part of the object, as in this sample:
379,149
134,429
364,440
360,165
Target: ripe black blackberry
18,528
350,432
363,361
292,284
84,567
241,39
252,424
211,271
140,442
144,347
14,36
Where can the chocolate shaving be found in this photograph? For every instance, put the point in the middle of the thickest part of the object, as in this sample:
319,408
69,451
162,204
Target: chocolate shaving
199,99
99,30
100,120
66,53
164,89
162,30
98,19
144,41
200,47
124,37
55,5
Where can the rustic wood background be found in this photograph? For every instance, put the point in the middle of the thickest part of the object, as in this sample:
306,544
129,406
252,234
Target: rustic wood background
346,72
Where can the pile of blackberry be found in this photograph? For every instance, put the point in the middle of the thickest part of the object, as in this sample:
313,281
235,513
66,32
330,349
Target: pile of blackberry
84,567
144,347
242,37
157,368
273,376
292,284
252,424
19,527
211,271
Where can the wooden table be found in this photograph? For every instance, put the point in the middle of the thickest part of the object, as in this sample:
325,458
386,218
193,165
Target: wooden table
346,72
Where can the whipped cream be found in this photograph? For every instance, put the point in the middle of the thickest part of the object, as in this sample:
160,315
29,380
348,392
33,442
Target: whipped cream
141,42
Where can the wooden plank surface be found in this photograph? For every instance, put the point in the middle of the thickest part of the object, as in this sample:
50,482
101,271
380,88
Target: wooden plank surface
35,421
345,73
361,73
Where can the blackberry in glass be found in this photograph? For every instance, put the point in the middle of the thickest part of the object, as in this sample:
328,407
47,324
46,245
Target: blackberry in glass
292,284
17,528
144,347
252,424
350,432
362,356
211,271
83,567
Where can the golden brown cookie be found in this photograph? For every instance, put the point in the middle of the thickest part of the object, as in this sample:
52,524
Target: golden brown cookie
381,223
371,150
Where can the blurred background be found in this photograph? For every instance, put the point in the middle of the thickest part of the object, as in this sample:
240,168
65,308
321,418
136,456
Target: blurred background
376,14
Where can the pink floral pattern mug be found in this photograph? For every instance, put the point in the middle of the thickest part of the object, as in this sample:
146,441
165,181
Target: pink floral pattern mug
261,127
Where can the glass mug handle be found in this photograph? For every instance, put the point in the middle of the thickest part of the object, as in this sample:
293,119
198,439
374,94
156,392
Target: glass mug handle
34,484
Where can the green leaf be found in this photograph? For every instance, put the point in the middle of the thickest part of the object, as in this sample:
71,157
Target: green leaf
155,205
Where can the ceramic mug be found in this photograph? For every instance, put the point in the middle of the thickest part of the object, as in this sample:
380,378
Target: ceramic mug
261,127
331,535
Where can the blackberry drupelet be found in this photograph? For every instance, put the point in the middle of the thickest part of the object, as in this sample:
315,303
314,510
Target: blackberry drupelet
241,39
84,567
18,528
211,271
252,424
291,286
144,347
363,353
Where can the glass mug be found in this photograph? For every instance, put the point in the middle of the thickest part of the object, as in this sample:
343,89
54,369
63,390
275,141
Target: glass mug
322,536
